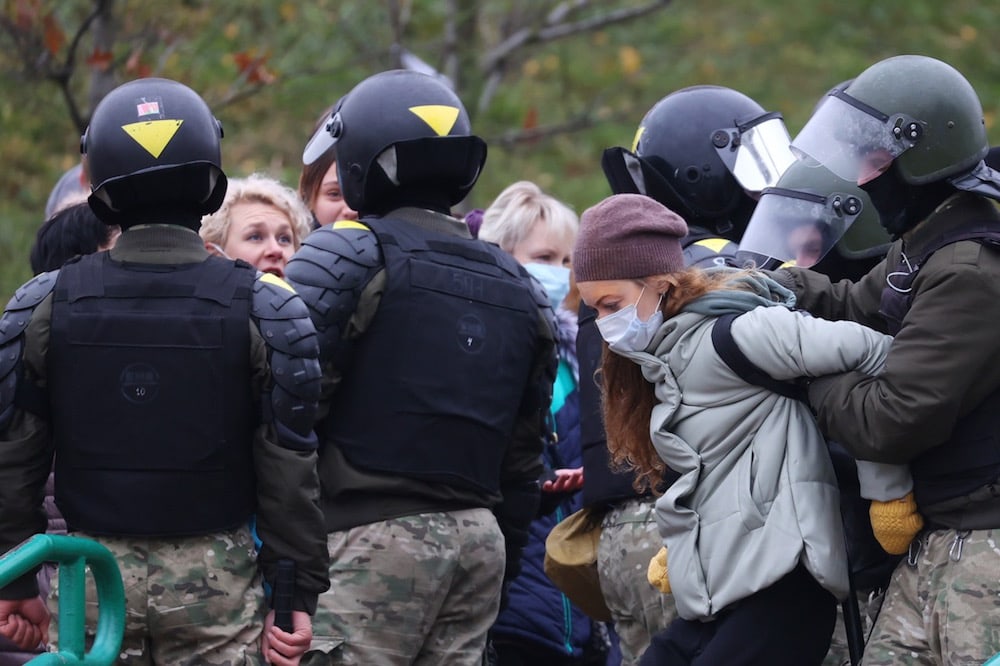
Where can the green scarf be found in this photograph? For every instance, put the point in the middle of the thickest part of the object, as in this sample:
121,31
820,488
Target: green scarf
755,289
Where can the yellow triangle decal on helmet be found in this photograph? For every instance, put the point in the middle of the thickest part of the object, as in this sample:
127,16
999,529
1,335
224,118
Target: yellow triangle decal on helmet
716,245
638,135
440,118
153,135
271,278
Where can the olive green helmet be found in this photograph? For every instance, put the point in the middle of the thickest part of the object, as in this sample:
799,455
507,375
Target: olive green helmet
810,212
915,110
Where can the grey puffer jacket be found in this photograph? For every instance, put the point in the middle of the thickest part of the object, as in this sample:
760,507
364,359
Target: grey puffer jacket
757,492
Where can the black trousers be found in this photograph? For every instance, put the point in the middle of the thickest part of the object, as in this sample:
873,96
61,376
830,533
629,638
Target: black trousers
789,623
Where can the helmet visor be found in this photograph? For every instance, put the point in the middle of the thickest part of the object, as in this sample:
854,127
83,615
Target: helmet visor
323,139
854,140
758,152
793,228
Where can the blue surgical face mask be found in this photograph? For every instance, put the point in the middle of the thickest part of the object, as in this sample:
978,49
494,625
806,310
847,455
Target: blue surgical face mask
625,332
555,279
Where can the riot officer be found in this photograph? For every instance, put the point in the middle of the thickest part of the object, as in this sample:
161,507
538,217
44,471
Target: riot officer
177,393
909,130
439,352
704,152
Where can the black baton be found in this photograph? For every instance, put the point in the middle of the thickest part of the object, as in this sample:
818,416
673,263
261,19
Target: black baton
284,590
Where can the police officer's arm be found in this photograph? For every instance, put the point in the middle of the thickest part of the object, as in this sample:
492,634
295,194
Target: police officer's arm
943,362
285,353
522,465
856,301
25,441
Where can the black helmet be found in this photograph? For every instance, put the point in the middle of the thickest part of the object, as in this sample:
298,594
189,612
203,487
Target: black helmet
700,151
403,138
153,145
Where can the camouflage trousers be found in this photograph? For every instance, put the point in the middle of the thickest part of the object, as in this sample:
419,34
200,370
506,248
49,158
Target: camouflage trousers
629,539
943,603
189,600
421,589
868,607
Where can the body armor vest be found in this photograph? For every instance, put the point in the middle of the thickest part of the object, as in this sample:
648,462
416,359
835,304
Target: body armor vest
436,382
154,360
970,458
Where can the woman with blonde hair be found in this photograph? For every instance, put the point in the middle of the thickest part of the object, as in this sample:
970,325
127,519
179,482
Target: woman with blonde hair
261,221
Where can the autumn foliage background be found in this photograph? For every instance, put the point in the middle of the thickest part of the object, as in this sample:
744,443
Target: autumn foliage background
548,83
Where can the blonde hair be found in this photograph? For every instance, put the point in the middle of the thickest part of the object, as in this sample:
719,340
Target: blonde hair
257,188
514,213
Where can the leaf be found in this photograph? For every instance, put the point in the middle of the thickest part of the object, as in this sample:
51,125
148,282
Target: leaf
100,59
530,118
630,59
252,67
54,35
135,65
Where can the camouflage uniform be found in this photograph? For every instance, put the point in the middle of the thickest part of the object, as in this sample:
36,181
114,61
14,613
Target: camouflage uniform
629,539
868,605
439,561
937,612
199,596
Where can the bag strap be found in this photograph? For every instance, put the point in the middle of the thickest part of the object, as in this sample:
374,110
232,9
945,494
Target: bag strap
725,347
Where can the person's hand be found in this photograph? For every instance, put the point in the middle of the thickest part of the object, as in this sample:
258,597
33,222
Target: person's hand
567,480
656,573
895,523
24,622
283,648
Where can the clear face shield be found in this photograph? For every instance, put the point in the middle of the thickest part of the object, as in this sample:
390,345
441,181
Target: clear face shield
756,152
853,140
793,228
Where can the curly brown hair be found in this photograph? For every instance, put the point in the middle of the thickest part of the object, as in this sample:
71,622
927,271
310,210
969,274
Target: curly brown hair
628,399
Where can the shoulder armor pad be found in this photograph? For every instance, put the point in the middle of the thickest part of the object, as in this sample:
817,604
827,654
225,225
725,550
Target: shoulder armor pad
330,270
293,354
15,319
282,317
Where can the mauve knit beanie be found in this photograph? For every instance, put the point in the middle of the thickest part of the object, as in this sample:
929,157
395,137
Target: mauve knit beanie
626,237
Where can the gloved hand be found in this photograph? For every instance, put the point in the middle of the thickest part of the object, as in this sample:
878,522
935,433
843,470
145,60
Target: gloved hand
895,523
656,574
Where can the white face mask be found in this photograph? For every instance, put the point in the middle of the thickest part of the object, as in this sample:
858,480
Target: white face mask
625,332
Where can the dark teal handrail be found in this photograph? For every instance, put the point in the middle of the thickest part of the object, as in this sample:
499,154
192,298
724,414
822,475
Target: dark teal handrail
74,554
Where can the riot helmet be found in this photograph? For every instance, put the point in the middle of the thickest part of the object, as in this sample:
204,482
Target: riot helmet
152,147
704,152
403,139
914,111
812,214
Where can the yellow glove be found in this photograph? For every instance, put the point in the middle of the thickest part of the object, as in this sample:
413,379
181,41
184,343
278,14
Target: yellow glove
656,574
895,523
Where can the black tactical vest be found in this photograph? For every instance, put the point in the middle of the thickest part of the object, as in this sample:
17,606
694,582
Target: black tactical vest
153,419
970,459
435,383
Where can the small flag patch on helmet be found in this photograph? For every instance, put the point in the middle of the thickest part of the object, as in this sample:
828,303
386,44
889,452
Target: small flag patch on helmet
441,118
153,135
147,109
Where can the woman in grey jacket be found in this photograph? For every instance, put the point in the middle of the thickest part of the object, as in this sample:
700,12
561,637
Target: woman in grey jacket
752,530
